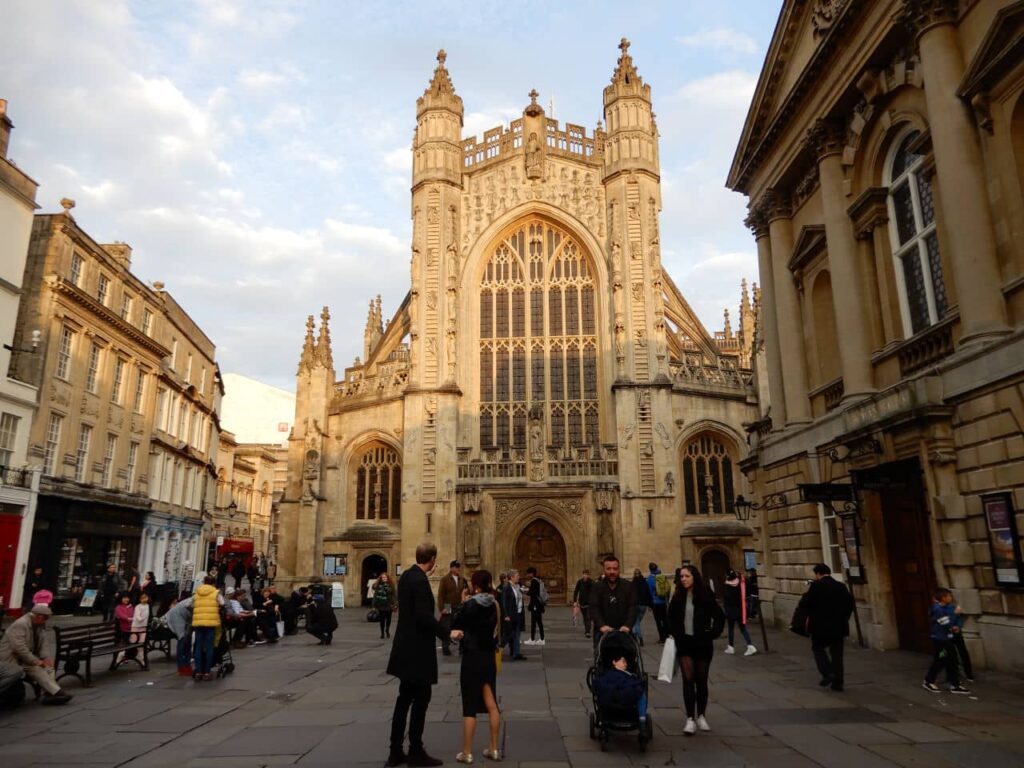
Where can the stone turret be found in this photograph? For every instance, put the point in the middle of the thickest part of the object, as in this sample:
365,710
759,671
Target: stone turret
374,327
322,354
632,133
306,359
437,145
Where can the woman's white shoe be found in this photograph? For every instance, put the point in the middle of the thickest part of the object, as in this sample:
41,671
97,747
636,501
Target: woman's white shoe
493,754
702,723
691,727
462,757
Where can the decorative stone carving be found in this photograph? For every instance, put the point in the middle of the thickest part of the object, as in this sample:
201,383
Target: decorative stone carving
825,14
627,435
666,439
825,137
534,157
776,205
471,499
471,538
60,395
670,484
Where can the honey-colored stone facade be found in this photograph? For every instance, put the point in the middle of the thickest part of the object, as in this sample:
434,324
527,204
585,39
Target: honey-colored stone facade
544,393
882,156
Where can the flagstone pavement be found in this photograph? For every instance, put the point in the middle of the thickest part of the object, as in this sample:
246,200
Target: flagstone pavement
297,703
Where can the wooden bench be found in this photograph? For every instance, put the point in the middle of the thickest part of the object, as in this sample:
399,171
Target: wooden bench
81,643
159,638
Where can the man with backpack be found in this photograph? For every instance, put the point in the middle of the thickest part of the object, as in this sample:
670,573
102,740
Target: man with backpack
661,592
538,594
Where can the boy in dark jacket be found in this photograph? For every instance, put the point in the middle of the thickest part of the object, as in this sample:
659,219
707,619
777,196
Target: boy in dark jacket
618,688
942,625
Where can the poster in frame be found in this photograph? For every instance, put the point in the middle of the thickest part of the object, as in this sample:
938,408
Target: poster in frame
1003,540
851,551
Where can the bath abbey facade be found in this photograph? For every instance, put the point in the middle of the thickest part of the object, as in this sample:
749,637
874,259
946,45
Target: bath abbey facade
544,394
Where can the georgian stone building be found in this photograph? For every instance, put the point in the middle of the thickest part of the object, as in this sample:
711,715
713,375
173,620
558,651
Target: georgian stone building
126,427
882,155
544,394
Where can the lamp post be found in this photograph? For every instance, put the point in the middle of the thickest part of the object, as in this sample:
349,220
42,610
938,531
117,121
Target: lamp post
743,508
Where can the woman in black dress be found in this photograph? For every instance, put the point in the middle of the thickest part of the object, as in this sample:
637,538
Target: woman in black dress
695,620
475,624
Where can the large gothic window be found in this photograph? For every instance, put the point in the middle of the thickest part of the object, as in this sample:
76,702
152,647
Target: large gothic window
707,476
915,241
378,484
538,339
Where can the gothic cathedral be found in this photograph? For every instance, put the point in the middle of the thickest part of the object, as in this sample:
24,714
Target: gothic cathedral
544,394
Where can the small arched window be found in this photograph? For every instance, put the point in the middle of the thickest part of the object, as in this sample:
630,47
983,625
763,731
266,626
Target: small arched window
378,484
915,242
707,476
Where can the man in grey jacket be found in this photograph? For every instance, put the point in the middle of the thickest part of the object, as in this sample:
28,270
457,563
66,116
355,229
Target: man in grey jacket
24,643
179,621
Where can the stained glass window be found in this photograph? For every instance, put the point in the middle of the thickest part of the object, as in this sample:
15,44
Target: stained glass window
707,476
378,480
538,339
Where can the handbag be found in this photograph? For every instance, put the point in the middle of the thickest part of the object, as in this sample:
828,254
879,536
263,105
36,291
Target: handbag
667,667
373,616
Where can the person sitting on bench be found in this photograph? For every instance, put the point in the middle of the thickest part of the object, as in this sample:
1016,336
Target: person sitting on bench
24,643
243,620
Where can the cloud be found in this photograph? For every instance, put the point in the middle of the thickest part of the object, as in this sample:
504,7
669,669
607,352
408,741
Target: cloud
730,90
258,80
721,39
475,123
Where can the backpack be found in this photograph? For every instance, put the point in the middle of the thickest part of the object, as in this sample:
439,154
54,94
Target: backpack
662,586
543,591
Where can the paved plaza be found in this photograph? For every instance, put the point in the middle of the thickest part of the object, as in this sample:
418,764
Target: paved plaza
297,703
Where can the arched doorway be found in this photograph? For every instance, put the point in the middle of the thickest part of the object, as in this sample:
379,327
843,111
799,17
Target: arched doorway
714,564
542,546
373,566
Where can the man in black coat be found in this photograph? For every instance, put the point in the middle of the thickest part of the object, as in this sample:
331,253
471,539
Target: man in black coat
828,605
612,601
414,659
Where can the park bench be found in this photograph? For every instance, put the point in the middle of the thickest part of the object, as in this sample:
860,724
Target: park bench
82,643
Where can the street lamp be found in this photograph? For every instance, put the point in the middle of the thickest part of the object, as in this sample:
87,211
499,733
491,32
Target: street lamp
232,509
36,336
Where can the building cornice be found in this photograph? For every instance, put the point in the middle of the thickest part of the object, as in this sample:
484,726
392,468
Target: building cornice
65,288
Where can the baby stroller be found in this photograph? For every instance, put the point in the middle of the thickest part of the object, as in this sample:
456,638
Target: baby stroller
621,715
222,658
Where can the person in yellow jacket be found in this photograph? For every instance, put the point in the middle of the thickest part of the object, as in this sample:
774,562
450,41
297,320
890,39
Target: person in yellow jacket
206,607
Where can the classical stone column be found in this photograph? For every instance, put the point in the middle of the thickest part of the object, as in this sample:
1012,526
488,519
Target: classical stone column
961,170
825,139
787,309
758,224
869,215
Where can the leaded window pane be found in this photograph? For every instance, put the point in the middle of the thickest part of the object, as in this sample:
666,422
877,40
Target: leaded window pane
486,315
591,423
518,314
917,299
501,315
927,198
931,244
557,375
555,311
537,312
537,376
519,428
904,204
501,376
519,375
486,376
572,312
572,374
587,295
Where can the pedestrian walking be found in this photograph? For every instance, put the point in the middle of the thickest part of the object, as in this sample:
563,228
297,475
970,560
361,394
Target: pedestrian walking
385,600
449,597
512,616
942,628
735,603
179,621
611,601
958,642
660,586
695,621
581,599
538,594
642,598
24,644
476,625
112,587
205,621
413,660
825,609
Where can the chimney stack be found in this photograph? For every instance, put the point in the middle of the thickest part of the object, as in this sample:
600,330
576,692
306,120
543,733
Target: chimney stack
122,253
5,129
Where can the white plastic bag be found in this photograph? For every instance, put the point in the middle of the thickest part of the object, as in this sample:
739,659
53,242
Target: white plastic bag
667,667
280,629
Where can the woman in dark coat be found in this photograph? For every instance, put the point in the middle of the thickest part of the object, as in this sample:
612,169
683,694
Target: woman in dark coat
695,621
476,624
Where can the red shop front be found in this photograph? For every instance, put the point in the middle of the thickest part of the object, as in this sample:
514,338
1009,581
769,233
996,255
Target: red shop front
232,550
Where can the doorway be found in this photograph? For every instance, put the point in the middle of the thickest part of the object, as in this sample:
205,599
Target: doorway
10,532
542,546
714,565
909,545
373,566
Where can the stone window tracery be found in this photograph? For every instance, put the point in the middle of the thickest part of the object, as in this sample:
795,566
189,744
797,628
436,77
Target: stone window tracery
538,342
707,476
914,237
379,484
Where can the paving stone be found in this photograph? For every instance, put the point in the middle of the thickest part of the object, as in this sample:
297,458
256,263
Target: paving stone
294,740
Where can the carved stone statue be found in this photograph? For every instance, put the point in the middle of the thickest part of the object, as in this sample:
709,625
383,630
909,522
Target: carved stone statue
536,440
534,159
605,534
670,484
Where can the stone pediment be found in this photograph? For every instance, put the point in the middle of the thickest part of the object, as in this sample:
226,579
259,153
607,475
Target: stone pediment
715,528
804,36
1000,50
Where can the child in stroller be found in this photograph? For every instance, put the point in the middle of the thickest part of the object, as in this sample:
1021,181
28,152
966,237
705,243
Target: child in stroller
619,685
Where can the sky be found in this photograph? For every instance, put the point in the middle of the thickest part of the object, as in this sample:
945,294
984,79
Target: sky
255,154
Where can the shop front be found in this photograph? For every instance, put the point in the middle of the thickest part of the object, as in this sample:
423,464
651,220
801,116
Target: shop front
74,542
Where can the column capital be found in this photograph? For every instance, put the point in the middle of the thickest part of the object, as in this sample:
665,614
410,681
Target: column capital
776,204
869,211
918,16
757,222
825,137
